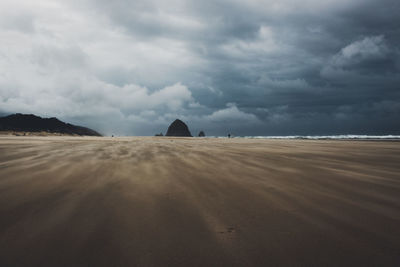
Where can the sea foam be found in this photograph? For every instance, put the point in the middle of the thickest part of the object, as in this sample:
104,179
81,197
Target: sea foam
323,137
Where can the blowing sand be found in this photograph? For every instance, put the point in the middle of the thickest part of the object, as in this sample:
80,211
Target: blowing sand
69,201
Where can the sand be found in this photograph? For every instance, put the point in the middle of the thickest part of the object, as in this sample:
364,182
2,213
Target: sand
88,201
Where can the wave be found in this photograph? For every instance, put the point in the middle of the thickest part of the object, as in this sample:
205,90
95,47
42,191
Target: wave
322,137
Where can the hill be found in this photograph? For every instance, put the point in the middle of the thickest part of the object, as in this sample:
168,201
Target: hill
32,123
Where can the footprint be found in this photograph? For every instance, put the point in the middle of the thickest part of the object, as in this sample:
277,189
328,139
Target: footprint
229,230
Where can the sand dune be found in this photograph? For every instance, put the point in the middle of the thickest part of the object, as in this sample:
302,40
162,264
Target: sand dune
72,201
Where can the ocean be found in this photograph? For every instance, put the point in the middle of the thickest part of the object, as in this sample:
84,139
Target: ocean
322,137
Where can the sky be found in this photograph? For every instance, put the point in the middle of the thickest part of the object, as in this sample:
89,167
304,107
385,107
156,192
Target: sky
255,67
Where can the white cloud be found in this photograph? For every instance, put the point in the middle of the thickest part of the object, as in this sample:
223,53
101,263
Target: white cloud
231,114
373,47
361,60
281,85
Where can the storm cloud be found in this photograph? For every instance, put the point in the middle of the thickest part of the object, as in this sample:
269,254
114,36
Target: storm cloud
258,67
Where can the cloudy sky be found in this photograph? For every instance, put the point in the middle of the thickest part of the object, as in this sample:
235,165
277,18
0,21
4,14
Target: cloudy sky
255,67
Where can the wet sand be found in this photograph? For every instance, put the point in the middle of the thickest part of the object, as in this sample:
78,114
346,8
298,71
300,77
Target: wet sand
71,201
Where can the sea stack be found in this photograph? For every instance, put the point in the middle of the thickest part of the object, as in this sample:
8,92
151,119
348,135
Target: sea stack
178,128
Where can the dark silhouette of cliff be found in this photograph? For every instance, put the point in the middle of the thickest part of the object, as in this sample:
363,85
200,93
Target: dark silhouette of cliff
32,123
178,128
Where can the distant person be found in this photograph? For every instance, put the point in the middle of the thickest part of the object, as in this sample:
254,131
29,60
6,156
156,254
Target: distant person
229,135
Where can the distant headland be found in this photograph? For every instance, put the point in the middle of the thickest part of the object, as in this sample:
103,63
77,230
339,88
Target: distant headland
31,123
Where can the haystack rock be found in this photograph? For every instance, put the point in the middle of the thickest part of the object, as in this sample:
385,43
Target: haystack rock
178,128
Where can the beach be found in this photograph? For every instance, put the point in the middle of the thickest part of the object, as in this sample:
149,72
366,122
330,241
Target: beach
158,201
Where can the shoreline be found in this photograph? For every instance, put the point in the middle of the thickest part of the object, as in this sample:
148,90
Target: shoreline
352,137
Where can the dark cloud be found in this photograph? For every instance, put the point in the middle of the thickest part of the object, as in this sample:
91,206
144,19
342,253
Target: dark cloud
255,67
